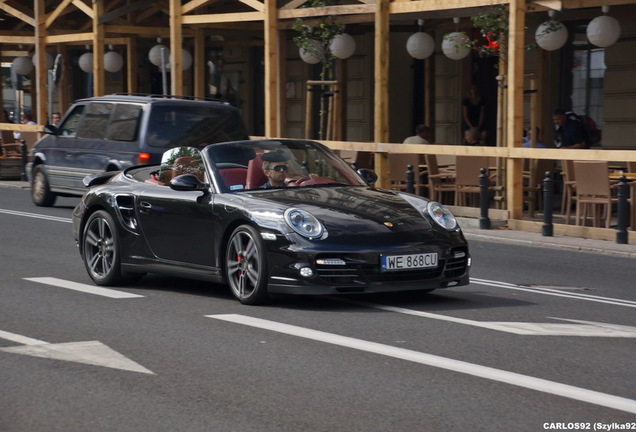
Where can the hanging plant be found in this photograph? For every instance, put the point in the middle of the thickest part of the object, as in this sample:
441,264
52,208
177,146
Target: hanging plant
315,34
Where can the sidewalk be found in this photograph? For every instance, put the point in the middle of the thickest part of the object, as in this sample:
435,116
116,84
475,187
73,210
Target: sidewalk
501,234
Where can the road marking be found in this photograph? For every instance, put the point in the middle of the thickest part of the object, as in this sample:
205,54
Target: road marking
93,353
36,215
91,289
553,292
583,328
533,383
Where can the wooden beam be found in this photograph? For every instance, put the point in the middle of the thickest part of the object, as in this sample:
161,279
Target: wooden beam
548,4
98,49
116,13
138,30
199,64
254,4
439,5
326,11
17,40
578,4
87,10
194,4
176,55
41,73
50,19
223,17
514,114
381,88
272,77
24,17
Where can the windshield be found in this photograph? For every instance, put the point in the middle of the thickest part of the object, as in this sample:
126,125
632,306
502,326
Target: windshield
189,125
250,165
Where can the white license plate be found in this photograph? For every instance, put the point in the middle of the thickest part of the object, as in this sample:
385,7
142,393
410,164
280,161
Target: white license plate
408,262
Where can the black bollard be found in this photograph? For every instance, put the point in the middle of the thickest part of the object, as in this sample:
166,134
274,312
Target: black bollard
548,194
484,221
623,212
410,182
23,155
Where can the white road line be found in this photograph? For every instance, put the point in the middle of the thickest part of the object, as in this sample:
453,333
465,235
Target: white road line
36,215
553,292
90,289
23,340
512,378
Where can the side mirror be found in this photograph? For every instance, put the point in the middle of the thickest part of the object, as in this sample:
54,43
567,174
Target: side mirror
187,182
368,175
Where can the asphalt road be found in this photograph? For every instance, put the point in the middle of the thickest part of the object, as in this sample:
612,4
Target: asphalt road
542,339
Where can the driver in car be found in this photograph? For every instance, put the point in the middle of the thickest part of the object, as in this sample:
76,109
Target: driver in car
275,168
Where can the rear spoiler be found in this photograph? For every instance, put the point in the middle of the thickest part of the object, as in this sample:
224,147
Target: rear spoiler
98,179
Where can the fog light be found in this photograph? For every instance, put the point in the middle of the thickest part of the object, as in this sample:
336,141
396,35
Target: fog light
470,262
306,272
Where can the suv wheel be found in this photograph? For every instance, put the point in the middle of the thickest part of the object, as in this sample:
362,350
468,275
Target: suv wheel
40,192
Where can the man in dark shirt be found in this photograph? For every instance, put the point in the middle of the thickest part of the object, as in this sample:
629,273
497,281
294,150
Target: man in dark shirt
568,131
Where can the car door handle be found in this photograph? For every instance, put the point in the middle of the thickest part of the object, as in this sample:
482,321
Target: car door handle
145,207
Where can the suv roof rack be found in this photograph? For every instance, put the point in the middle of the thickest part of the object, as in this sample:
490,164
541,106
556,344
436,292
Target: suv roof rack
165,96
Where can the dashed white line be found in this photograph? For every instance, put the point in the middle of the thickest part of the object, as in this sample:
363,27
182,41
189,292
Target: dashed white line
512,378
36,215
90,289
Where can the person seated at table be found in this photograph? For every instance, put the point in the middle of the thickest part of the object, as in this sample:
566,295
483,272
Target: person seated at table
423,135
568,131
275,168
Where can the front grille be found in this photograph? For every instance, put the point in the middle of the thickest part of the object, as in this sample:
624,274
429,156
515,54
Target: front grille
338,274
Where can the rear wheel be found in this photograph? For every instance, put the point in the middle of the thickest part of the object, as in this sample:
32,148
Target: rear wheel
40,191
246,266
100,249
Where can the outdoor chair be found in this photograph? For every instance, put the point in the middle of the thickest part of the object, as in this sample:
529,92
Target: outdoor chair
440,183
569,188
468,170
593,192
398,163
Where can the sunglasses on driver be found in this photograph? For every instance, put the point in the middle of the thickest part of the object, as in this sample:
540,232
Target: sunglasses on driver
280,168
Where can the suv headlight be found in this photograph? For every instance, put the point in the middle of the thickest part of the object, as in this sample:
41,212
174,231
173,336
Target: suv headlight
304,223
442,216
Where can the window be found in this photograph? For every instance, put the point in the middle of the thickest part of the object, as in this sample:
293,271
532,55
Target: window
125,122
95,120
588,73
69,127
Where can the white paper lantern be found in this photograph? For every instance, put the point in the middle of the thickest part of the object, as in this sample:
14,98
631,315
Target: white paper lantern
154,55
603,31
186,60
113,61
48,58
343,46
86,62
22,65
455,45
420,45
314,56
551,40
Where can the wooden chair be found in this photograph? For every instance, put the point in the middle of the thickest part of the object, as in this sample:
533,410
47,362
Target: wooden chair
468,170
569,188
631,167
533,183
593,191
397,172
361,159
440,183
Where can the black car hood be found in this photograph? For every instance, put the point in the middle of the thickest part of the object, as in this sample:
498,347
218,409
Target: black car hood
348,212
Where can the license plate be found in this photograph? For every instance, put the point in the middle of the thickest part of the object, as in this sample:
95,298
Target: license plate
408,262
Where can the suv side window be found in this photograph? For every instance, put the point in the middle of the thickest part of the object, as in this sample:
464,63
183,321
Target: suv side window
125,122
95,121
69,127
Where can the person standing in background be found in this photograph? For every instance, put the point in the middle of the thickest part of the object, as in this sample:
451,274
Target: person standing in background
474,117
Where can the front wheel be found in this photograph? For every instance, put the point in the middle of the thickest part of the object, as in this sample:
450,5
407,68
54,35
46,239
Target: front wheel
246,266
100,249
40,191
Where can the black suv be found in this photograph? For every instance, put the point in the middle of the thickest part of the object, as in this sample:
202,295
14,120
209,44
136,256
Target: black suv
110,133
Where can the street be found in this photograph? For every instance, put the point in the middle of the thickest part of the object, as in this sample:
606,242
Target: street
542,339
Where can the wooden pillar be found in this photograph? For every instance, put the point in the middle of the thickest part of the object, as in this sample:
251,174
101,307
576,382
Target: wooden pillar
132,71
271,60
98,49
176,57
40,92
381,87
199,63
514,118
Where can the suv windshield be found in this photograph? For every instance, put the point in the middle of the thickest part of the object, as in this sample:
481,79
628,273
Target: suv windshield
176,126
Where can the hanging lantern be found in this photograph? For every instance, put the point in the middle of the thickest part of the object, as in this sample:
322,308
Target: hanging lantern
86,62
313,56
420,45
154,55
186,60
113,61
603,31
551,35
22,65
48,58
343,46
455,45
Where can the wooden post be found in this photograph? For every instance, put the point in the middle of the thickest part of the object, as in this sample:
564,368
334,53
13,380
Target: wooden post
199,63
514,117
41,77
272,76
381,89
98,49
176,55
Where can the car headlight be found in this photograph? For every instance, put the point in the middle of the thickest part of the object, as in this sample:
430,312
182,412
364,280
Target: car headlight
442,216
304,223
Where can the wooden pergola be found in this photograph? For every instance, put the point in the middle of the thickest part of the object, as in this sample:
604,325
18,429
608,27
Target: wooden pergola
103,22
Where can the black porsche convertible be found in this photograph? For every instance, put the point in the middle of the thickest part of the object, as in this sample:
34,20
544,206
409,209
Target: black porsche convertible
266,217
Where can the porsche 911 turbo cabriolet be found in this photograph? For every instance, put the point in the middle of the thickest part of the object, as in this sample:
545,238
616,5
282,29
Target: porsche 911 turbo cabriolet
266,217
